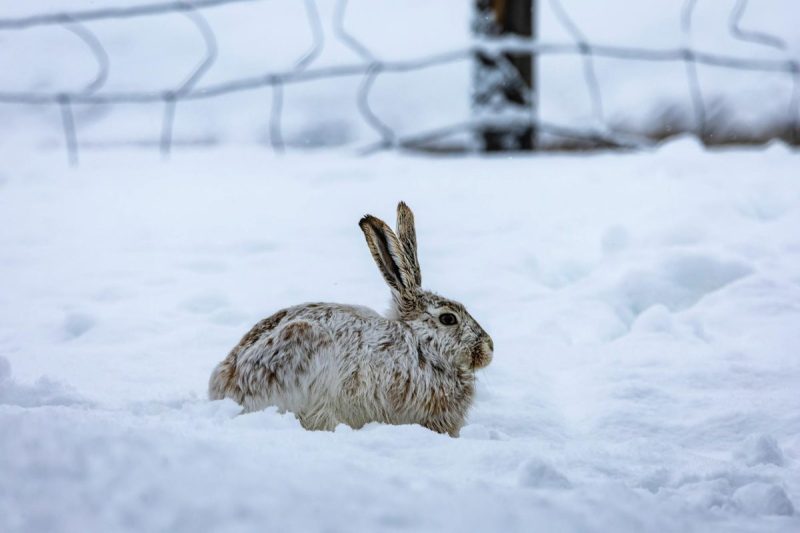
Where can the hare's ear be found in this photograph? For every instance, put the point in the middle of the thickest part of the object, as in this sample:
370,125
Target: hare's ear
388,254
408,240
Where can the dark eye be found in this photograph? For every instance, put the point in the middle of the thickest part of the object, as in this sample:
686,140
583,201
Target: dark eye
448,319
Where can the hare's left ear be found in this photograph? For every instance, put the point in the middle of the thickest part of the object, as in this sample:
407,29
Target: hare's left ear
408,240
389,256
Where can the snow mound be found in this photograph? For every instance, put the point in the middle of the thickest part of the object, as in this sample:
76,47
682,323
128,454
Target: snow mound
539,474
77,324
763,499
43,392
677,281
761,450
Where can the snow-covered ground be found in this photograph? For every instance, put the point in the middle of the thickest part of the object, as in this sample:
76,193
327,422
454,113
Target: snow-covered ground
645,310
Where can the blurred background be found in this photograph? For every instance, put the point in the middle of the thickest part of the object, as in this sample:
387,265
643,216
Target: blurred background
450,75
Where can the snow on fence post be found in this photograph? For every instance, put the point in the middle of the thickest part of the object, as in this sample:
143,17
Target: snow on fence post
504,93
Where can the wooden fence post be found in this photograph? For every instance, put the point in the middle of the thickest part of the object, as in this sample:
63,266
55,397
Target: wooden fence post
505,83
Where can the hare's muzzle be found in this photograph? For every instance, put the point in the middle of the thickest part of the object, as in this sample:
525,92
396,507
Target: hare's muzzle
482,353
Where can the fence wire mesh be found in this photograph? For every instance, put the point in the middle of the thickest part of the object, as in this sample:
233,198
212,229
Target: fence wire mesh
370,67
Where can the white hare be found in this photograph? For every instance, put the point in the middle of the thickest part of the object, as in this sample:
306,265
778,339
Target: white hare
333,363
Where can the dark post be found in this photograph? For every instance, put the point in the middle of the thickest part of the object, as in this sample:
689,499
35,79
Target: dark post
505,83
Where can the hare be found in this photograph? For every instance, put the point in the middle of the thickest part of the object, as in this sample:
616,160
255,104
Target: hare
332,363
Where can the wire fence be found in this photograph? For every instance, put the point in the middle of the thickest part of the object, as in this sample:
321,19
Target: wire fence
369,68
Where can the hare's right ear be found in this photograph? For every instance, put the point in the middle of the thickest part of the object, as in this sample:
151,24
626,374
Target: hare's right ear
389,255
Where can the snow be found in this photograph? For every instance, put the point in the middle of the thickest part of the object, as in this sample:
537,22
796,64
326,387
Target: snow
644,310
761,449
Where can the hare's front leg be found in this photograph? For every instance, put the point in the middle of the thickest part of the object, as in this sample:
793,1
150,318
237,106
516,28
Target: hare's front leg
448,410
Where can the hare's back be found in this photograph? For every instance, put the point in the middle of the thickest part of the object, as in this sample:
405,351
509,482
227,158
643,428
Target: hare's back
306,329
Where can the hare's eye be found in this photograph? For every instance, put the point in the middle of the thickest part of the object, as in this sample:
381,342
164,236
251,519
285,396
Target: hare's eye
448,319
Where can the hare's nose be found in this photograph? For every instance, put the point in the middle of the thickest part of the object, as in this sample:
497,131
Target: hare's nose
490,344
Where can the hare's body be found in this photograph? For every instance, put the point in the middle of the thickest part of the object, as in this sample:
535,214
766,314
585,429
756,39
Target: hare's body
333,363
